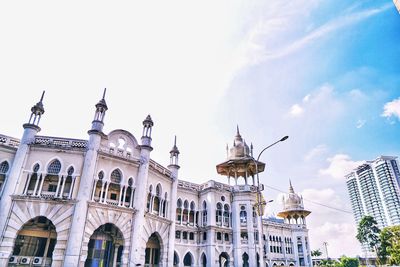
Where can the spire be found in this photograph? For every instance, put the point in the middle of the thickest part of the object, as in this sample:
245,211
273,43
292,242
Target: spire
36,112
237,130
102,103
146,134
174,154
291,190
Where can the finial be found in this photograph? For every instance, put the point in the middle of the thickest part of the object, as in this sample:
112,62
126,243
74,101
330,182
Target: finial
290,187
41,99
104,93
237,129
251,148
175,141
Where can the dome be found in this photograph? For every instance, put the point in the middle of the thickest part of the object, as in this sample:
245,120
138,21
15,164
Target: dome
292,200
240,149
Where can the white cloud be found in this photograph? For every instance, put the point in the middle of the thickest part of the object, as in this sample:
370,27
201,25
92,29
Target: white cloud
296,110
316,152
325,29
339,166
360,123
392,108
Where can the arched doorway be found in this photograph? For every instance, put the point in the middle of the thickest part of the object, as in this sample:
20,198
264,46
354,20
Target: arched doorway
105,247
188,260
224,260
245,259
203,260
152,254
35,242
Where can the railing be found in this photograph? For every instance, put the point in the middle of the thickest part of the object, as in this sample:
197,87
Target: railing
9,141
159,168
60,142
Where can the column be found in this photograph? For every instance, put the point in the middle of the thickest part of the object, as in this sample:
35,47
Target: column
58,186
38,176
94,188
41,185
71,190
27,184
124,196
101,192
115,255
120,195
62,186
106,193
250,232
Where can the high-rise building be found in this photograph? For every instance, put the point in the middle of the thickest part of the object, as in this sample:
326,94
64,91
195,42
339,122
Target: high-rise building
374,189
105,202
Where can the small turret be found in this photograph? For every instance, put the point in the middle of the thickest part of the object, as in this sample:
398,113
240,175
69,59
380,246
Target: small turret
101,108
37,112
174,155
146,135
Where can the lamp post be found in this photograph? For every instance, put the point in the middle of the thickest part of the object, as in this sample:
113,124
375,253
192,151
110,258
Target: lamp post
259,202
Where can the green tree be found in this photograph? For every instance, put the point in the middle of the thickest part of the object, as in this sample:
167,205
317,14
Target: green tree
368,232
316,253
390,244
349,262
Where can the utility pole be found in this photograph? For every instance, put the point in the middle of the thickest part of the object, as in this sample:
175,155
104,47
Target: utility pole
326,249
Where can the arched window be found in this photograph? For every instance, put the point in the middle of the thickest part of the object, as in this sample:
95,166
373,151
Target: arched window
70,171
245,259
54,167
36,167
243,215
204,213
185,211
226,215
100,175
116,176
176,259
218,214
187,260
4,167
179,211
156,201
192,212
149,197
3,170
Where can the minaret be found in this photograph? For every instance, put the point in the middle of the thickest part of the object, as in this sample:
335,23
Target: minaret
137,252
294,214
240,165
31,128
173,167
85,186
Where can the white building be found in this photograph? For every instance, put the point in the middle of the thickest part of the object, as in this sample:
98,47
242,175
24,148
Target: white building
374,189
105,202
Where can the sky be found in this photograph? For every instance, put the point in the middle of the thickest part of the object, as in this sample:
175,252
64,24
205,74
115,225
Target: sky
323,72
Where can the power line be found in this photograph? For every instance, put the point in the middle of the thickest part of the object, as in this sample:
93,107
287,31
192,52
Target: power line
314,202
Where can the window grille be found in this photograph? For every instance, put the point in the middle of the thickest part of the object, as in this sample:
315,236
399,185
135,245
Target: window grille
54,167
116,176
4,167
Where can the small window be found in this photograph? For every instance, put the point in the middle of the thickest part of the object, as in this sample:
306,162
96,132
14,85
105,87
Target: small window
101,175
52,188
178,234
191,236
36,168
184,235
70,171
205,236
219,236
222,198
226,236
113,196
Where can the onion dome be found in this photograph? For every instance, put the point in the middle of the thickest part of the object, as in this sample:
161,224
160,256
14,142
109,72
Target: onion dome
240,149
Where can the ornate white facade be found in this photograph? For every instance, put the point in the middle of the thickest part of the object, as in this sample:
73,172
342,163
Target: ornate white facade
105,202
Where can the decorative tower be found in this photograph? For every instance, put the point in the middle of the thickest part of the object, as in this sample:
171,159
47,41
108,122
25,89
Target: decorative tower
173,167
85,185
294,214
246,221
31,128
137,253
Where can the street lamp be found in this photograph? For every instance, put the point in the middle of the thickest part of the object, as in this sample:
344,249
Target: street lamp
259,202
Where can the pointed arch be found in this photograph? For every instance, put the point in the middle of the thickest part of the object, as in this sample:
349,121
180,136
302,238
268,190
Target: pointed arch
54,167
188,260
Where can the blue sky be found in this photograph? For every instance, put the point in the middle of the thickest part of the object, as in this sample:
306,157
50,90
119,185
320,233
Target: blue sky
321,72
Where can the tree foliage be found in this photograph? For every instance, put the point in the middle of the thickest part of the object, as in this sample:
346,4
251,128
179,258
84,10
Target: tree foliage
343,262
316,253
389,250
368,232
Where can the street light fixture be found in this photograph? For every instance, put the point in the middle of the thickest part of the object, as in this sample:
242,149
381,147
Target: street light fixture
259,202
